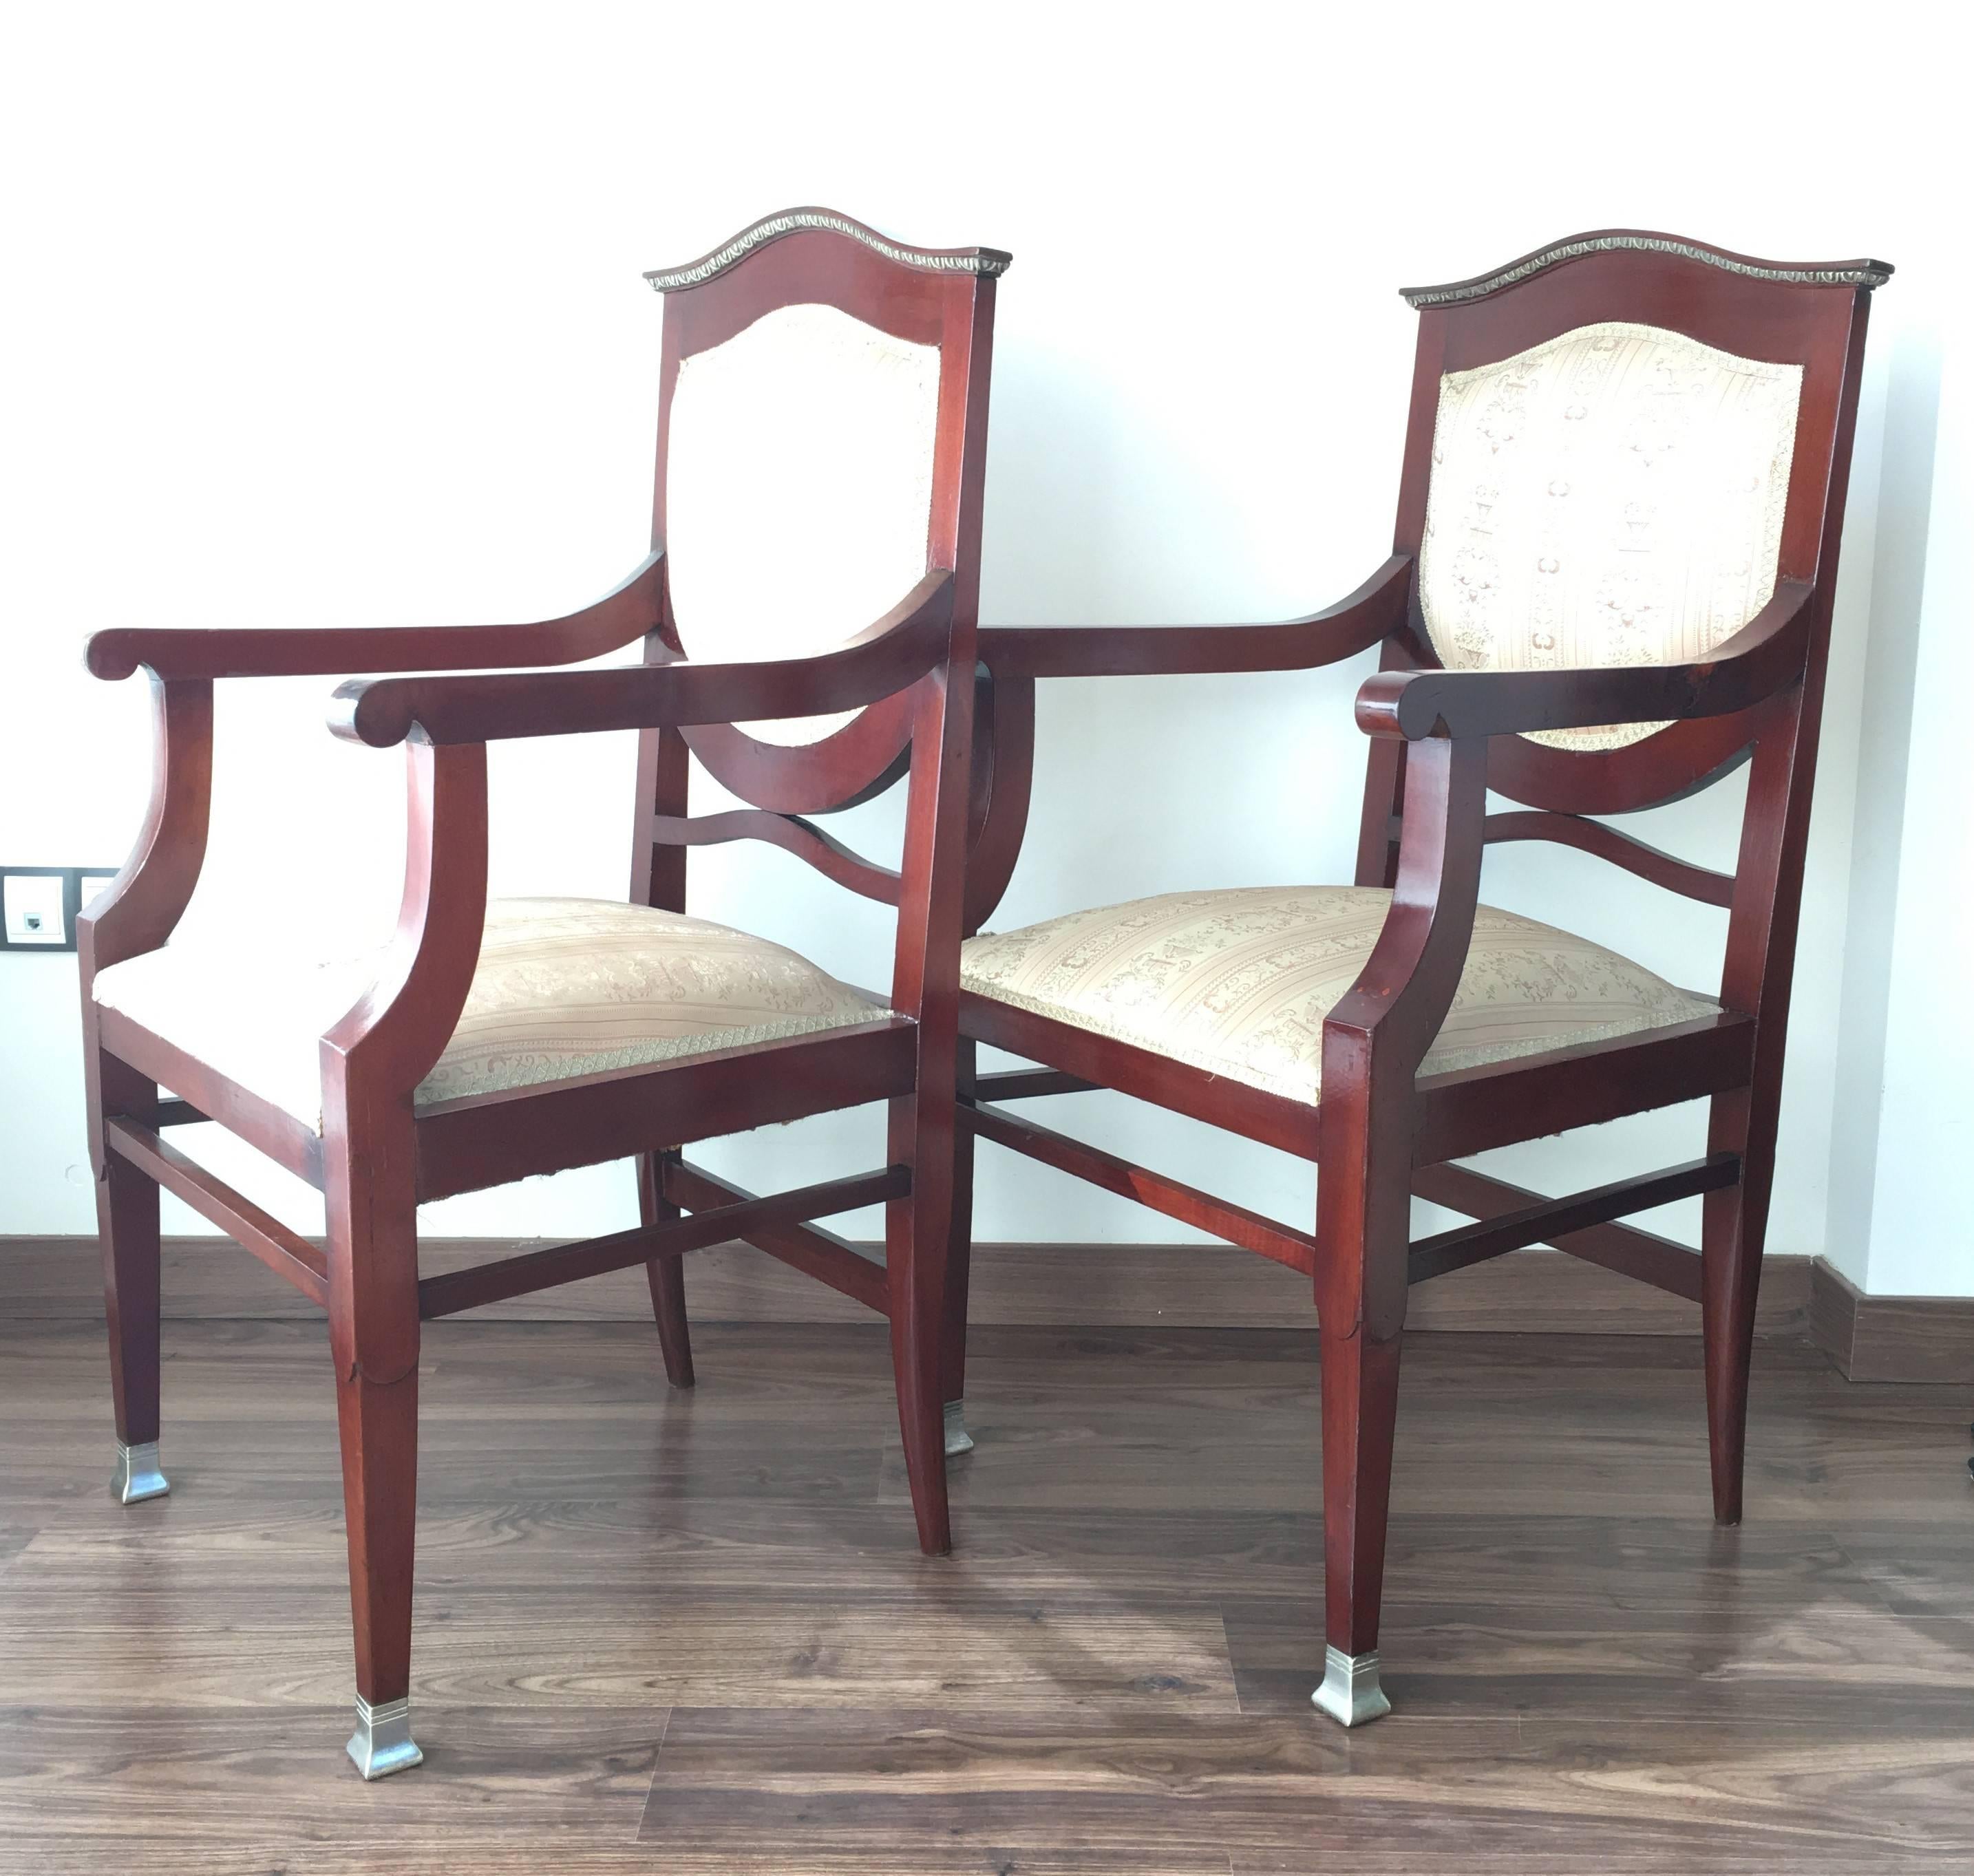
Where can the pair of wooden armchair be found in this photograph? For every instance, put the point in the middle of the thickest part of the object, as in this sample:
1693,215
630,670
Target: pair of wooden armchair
1617,540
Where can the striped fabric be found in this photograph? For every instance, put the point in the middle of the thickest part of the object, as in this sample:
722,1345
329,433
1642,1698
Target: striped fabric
566,987
1614,496
1238,982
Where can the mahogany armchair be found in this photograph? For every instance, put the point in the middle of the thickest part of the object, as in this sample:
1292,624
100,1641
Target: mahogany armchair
821,435
1618,520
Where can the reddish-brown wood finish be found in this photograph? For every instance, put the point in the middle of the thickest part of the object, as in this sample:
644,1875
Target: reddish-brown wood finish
380,1154
1439,742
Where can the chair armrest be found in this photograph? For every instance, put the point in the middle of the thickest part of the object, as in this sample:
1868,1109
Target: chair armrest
893,653
620,616
1376,609
1764,654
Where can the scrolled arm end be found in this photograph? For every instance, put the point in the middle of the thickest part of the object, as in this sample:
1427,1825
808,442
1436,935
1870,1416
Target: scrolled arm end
113,654
371,711
1390,703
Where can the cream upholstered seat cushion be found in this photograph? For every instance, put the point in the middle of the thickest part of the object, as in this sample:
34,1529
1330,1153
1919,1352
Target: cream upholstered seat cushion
1238,982
565,987
798,471
1613,497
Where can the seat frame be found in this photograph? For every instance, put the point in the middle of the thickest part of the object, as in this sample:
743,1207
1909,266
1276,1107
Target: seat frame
378,1155
1381,1133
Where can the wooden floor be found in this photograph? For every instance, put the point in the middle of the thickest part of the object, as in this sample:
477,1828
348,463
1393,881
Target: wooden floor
669,1632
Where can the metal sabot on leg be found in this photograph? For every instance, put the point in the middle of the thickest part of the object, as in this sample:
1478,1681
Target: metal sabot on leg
382,1743
1350,1693
957,1440
138,1475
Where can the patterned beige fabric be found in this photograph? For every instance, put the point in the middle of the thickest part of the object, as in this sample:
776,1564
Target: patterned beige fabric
798,489
1615,497
1238,982
566,987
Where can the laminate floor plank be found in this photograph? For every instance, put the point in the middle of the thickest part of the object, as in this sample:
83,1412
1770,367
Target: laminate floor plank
902,1790
662,1632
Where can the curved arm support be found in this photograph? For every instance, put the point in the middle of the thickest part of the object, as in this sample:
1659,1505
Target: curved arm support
1379,1031
374,1057
392,1037
624,613
889,657
1764,655
1004,763
141,907
1374,611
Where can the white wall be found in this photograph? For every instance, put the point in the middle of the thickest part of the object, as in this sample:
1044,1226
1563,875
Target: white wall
332,316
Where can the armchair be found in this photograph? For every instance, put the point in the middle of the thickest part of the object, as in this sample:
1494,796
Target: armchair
1618,521
822,438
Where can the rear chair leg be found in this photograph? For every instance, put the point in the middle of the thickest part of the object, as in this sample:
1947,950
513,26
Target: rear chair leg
916,1228
126,1210
959,1259
666,1274
1734,1226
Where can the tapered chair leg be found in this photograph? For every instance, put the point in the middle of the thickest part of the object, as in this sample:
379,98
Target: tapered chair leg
666,1275
916,1232
374,1333
1362,1228
379,1426
1360,1398
1733,1225
126,1210
959,1261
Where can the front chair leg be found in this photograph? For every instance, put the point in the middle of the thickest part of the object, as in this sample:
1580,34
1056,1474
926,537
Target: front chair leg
126,1210
665,1275
1360,1398
379,1426
374,1334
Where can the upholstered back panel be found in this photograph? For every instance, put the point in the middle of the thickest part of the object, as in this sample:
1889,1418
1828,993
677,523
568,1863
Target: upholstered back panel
798,489
1613,497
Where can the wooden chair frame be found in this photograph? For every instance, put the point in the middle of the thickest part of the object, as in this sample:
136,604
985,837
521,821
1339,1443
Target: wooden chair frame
1382,1132
378,1157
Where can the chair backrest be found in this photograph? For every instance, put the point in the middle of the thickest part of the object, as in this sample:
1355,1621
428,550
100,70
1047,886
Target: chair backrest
1614,496
1618,446
820,446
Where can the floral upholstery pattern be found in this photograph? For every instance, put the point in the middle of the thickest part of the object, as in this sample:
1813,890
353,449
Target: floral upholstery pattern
566,987
1613,497
1238,982
798,489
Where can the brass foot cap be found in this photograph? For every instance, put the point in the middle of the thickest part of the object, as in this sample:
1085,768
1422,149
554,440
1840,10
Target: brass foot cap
1350,1693
138,1475
382,1743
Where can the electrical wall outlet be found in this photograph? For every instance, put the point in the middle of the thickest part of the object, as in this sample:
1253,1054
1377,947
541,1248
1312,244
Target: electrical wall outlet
38,904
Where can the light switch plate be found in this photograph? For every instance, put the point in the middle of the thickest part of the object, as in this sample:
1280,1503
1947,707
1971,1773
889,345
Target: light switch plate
38,904
37,908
